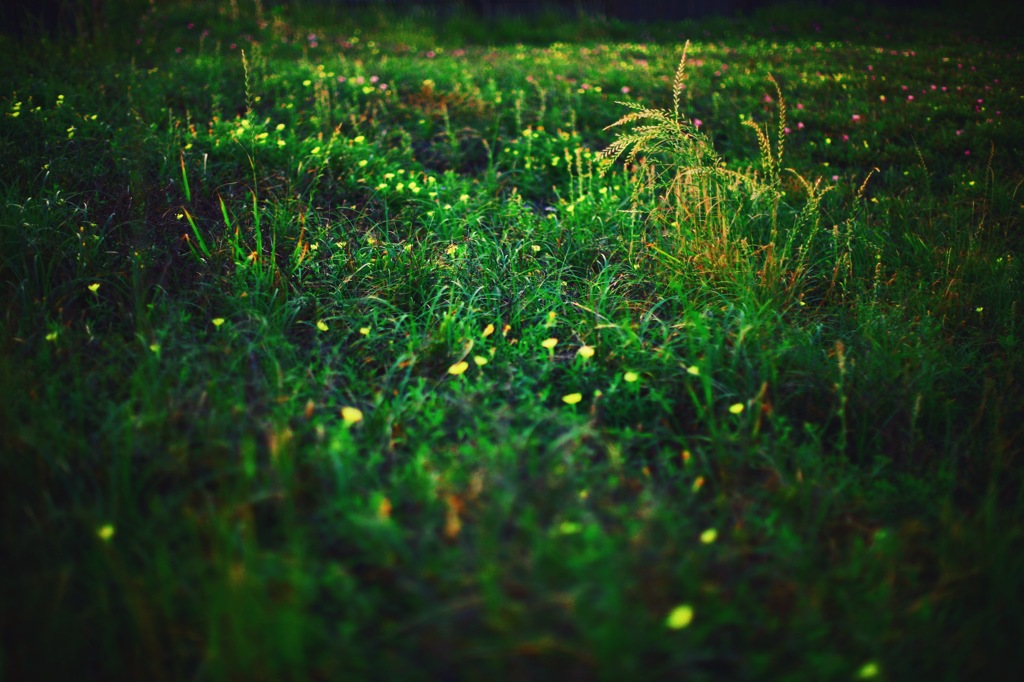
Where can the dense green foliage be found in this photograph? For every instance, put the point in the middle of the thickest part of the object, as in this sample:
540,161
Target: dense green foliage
333,347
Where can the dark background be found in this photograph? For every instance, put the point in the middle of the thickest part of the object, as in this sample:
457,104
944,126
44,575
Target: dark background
30,19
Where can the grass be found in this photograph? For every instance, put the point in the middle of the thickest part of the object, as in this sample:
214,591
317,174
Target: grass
423,348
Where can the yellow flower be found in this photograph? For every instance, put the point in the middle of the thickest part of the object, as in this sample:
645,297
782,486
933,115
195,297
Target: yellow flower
351,415
52,336
693,370
217,321
488,330
479,360
155,347
94,286
868,670
549,343
572,398
464,197
365,331
105,532
736,408
458,368
586,351
709,536
322,326
680,617
630,377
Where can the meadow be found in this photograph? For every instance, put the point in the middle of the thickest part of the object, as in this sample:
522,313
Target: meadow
399,346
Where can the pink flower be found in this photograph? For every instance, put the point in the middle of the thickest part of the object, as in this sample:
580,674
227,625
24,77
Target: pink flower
341,79
767,99
800,125
625,90
191,26
431,54
959,133
846,138
787,130
910,98
800,106
177,50
697,123
374,79
856,117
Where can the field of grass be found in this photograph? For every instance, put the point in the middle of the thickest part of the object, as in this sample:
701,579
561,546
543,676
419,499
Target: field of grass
340,347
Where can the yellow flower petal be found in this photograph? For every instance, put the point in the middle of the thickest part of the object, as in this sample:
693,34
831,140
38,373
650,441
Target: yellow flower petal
488,330
709,536
693,370
217,321
680,617
351,415
868,671
572,398
736,408
365,331
549,343
479,360
322,326
586,351
458,368
94,286
630,377
52,336
105,532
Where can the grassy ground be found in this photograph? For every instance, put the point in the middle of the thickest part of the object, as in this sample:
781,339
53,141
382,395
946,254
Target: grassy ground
335,349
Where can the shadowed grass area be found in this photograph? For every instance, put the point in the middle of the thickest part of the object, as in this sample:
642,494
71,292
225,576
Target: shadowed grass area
427,348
